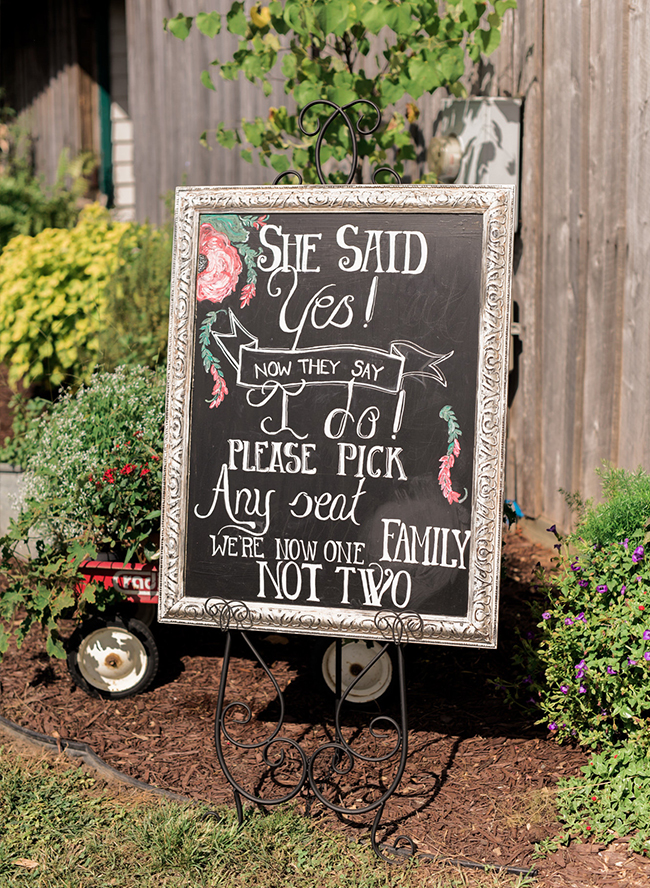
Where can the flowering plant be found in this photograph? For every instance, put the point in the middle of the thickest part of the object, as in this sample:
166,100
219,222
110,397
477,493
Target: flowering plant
593,659
92,483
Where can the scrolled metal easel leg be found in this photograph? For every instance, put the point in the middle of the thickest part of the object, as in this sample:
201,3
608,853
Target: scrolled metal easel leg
275,749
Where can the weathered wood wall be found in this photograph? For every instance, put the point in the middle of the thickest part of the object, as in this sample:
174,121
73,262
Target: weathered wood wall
48,71
583,250
170,107
583,253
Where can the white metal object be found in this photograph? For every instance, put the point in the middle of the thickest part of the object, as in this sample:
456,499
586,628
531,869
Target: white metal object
112,659
488,133
355,656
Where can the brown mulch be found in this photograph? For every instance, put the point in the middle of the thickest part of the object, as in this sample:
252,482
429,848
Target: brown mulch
479,778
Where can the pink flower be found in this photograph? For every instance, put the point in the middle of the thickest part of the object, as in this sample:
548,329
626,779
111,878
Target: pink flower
444,475
444,479
220,389
220,267
247,293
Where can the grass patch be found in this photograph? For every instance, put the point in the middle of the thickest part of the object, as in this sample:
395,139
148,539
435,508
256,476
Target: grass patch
62,827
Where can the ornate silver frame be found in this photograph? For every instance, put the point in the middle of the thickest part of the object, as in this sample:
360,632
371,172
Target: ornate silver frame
479,628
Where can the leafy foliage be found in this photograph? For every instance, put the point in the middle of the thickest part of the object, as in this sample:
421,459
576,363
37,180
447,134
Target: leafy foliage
324,50
611,800
625,506
137,299
590,668
92,483
52,299
27,205
26,414
72,299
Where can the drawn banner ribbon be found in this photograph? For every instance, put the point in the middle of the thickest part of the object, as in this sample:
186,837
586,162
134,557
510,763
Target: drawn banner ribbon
381,369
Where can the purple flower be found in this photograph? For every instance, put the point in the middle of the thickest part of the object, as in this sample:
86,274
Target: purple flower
552,726
602,589
582,617
568,622
583,583
557,546
611,671
646,656
623,588
625,543
546,615
551,529
582,689
631,662
575,566
529,635
638,554
526,681
646,635
564,689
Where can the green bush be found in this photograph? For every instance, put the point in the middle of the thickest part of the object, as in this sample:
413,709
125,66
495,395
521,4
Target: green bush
626,507
70,300
27,205
53,301
610,800
93,483
590,667
137,299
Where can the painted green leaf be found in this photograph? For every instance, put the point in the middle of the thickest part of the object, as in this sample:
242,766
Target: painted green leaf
374,16
226,137
209,23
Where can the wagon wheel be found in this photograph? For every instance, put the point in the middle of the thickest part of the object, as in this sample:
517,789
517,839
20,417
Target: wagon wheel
355,656
112,658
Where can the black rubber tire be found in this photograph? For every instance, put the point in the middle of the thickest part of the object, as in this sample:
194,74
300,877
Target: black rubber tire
134,637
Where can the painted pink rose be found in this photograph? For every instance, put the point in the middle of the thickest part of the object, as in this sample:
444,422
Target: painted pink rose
219,265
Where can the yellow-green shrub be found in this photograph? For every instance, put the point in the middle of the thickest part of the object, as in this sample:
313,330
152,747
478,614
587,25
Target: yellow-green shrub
53,299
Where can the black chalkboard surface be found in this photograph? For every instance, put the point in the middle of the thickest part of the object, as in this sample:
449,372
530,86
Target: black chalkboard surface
336,409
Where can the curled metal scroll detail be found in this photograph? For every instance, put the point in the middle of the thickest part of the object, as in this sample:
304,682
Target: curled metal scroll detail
400,627
355,128
229,614
287,769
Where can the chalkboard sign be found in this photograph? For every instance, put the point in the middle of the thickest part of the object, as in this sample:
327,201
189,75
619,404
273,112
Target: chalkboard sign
336,410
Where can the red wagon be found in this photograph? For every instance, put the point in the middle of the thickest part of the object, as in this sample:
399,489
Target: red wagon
117,656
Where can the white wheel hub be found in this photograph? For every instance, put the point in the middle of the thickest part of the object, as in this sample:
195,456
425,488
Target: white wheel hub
112,659
355,656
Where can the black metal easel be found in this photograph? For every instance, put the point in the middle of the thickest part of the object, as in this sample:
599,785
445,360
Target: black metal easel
284,758
288,766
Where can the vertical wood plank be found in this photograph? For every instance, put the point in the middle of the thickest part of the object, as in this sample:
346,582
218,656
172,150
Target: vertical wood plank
634,440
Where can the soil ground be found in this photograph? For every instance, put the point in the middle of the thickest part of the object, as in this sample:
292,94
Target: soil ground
479,779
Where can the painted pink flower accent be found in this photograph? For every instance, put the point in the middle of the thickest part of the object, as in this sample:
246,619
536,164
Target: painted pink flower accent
247,293
219,277
444,475
220,389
